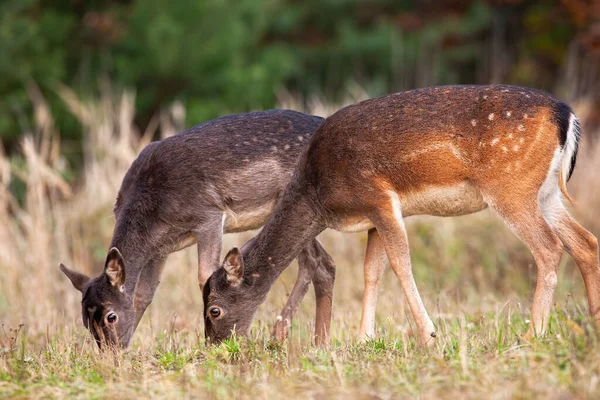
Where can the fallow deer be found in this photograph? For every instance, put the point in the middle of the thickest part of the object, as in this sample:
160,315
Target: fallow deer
223,176
444,151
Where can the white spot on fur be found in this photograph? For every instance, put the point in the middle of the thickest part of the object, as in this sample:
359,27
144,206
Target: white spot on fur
491,117
485,96
473,122
515,148
274,148
286,147
508,114
510,136
300,138
433,147
496,140
521,127
522,140
504,149
525,115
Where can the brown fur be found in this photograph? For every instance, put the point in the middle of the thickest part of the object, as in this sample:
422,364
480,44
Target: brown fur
443,151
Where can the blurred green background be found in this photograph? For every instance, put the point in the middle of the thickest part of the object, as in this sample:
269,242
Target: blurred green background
219,57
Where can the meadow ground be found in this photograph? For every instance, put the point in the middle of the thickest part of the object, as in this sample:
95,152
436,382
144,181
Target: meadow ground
475,277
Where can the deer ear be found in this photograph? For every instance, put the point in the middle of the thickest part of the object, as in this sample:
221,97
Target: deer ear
115,268
78,280
234,266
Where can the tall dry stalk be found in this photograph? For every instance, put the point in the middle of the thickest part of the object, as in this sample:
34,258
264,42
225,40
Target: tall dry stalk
72,222
58,220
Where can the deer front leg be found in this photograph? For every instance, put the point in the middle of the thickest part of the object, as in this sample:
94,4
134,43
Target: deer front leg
373,268
209,238
389,222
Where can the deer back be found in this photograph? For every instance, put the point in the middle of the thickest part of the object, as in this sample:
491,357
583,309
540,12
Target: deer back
236,163
444,150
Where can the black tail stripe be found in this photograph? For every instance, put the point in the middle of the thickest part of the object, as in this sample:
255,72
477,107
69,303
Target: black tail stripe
562,115
577,133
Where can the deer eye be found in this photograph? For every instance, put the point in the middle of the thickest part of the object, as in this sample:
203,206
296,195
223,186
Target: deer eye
111,318
215,312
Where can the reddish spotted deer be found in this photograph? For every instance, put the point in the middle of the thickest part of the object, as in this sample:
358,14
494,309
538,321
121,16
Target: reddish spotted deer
222,176
444,151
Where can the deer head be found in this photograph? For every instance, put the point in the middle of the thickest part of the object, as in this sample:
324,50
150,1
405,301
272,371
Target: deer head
235,290
229,302
106,308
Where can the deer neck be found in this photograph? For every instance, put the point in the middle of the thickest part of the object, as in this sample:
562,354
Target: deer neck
295,222
138,255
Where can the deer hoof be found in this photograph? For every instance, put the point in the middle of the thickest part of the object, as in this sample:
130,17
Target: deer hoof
280,330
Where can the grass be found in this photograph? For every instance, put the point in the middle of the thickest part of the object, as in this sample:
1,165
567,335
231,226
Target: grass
478,356
475,277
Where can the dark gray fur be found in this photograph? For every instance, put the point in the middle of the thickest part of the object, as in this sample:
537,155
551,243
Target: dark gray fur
176,193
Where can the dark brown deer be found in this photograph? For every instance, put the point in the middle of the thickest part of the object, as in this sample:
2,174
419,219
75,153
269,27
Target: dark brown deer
222,176
444,151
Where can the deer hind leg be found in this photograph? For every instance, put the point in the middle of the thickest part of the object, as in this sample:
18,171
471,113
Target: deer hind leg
306,270
373,269
581,245
389,223
323,281
527,221
313,264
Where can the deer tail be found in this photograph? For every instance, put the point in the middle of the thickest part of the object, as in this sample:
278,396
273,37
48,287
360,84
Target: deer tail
570,134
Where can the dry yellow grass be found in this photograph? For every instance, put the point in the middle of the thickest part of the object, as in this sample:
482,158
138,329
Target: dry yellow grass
476,279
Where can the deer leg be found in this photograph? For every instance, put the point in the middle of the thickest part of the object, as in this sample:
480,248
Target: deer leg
581,245
323,281
373,269
306,269
527,222
390,225
209,238
309,261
